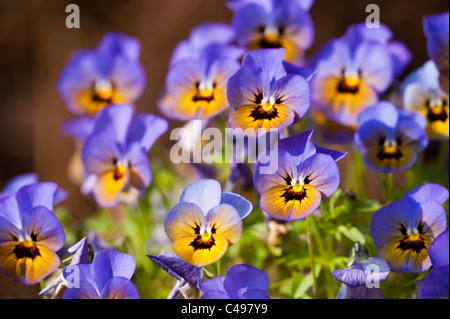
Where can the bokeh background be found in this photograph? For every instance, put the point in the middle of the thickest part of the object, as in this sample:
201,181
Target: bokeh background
35,45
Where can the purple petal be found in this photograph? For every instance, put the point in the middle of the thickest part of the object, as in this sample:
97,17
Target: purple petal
270,60
241,278
37,194
205,193
140,172
436,283
242,205
99,152
298,145
438,250
108,264
8,231
85,291
117,44
384,112
119,288
14,184
293,91
436,28
428,191
213,284
322,172
42,224
114,120
336,155
247,84
375,64
255,294
215,294
178,268
400,55
81,251
79,128
145,129
9,209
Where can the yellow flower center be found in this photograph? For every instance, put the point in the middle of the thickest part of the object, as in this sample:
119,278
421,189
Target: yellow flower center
351,82
267,107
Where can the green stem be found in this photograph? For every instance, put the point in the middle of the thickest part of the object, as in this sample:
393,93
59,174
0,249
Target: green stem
219,268
389,189
311,252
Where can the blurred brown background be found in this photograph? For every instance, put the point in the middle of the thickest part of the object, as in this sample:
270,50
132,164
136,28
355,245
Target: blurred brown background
35,44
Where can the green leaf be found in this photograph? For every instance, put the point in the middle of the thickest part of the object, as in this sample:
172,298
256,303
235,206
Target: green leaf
306,283
352,233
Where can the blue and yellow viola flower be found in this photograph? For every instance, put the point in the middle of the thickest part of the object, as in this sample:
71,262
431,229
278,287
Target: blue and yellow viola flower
305,175
263,95
30,234
114,155
109,74
390,139
107,277
205,222
267,24
199,70
349,77
403,230
436,29
423,94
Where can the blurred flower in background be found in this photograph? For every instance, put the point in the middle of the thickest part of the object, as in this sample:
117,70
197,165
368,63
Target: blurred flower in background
436,28
200,67
390,139
351,73
114,155
265,24
423,94
109,74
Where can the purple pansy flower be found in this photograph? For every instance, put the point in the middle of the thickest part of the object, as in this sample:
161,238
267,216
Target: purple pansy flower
198,74
403,230
264,24
205,222
390,139
109,74
114,155
423,94
349,77
107,277
436,28
240,282
361,278
30,233
184,272
435,285
263,95
305,175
